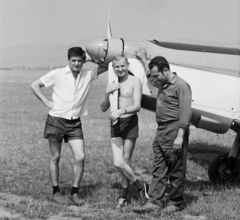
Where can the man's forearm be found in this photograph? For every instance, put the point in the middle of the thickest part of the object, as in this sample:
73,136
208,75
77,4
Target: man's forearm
181,132
145,66
38,92
104,104
101,69
131,109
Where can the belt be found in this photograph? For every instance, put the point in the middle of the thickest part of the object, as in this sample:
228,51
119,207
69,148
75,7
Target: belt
166,123
72,120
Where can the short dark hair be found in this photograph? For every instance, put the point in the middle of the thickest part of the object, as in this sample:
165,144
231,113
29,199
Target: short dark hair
160,63
77,51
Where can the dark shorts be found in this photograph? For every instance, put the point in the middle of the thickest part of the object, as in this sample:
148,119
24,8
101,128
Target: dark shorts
125,127
57,129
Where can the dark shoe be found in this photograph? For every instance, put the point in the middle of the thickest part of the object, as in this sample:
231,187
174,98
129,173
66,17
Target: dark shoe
143,194
171,209
148,207
76,200
122,202
58,198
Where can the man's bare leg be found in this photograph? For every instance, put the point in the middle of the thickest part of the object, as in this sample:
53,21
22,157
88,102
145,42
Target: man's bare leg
118,147
128,148
55,151
78,150
118,159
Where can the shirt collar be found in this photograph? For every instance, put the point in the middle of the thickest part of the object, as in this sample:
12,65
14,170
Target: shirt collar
174,78
68,70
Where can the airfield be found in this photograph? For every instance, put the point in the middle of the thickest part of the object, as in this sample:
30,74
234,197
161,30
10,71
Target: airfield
25,188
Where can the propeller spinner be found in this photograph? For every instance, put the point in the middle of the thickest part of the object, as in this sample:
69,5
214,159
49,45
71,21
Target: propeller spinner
103,50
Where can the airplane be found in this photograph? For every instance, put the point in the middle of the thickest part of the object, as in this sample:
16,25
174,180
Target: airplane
215,87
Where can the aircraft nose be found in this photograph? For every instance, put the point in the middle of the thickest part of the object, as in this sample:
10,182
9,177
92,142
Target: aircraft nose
97,49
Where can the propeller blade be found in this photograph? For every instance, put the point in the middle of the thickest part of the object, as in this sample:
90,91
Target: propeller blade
109,34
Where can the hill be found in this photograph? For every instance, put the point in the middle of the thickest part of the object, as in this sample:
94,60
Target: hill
38,55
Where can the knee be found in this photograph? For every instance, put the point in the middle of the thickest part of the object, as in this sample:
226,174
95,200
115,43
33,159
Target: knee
127,159
79,159
118,164
55,158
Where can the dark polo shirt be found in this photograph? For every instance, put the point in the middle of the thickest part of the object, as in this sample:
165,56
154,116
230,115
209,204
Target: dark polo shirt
173,101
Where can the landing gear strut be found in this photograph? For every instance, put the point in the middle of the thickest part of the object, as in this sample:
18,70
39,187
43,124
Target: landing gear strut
226,167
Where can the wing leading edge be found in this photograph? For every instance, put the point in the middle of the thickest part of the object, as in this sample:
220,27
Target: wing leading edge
198,48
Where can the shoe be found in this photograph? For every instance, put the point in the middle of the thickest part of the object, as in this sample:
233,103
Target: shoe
122,202
171,209
143,194
58,198
148,207
76,200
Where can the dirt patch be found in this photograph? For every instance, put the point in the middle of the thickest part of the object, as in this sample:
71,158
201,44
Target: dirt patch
13,207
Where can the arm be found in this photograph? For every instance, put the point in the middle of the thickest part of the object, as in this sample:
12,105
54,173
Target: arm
185,98
141,54
104,104
36,88
101,69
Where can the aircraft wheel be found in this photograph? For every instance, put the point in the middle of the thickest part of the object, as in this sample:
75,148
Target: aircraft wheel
217,167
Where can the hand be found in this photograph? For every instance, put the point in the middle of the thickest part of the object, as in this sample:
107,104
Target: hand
112,87
50,104
115,114
97,61
141,53
177,144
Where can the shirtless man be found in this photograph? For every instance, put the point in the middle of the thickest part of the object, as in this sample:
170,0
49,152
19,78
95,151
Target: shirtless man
125,132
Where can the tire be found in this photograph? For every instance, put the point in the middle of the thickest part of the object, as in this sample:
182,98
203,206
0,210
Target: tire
215,168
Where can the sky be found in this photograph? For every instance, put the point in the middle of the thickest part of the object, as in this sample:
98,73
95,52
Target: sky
48,22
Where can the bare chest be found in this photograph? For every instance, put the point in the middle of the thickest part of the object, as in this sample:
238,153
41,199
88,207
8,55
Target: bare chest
126,90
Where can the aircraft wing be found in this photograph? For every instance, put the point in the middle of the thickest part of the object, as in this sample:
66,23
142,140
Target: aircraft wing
197,48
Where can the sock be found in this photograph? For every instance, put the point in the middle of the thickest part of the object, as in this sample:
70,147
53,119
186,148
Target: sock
74,190
124,192
138,184
55,189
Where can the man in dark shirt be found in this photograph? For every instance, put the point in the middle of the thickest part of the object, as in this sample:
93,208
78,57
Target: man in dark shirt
173,115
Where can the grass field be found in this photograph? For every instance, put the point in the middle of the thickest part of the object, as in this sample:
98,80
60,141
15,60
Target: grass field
25,188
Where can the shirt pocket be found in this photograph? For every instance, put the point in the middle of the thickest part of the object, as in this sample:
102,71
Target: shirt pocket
164,99
50,120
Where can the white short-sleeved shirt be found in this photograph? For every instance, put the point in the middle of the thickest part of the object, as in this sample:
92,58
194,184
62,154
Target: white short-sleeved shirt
69,97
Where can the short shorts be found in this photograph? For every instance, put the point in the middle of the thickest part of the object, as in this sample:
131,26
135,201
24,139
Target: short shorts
125,127
56,129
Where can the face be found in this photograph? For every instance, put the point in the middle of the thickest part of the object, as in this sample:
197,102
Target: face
76,63
161,76
120,67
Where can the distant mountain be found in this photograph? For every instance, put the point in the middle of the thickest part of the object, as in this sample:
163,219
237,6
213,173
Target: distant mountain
54,55
38,55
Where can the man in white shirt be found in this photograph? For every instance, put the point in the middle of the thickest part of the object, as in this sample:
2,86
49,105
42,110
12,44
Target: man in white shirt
70,89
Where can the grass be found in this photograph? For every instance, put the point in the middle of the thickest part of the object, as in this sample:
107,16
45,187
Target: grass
24,161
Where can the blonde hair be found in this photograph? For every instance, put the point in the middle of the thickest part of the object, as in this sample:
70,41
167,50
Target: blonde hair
119,57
